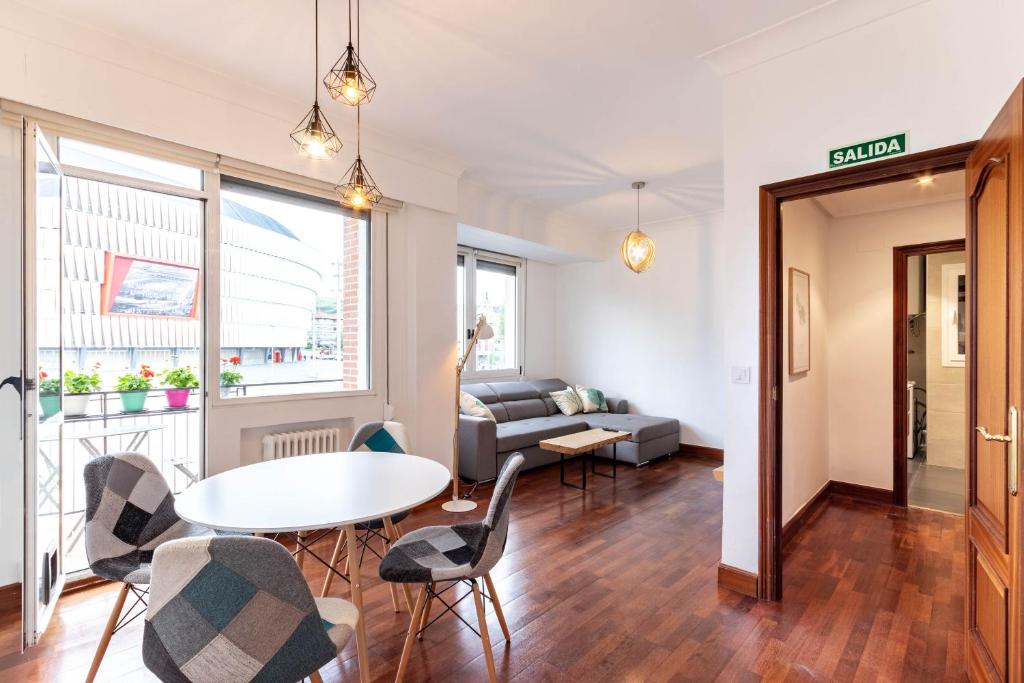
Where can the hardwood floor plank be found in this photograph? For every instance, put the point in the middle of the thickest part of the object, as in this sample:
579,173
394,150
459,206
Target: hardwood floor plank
620,584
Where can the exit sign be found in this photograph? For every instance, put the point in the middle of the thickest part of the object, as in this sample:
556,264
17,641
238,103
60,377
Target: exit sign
868,151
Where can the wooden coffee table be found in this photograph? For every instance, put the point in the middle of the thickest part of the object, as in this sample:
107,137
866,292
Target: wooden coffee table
584,445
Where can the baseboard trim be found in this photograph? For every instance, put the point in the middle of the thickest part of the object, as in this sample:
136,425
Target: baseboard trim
806,514
738,580
10,598
692,449
868,494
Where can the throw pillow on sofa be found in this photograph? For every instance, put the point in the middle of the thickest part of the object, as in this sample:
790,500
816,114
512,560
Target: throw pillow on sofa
474,407
593,400
567,401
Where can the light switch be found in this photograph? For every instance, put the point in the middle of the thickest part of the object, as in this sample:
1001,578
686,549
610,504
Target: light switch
740,374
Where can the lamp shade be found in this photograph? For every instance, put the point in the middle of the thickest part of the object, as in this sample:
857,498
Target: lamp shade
485,331
638,251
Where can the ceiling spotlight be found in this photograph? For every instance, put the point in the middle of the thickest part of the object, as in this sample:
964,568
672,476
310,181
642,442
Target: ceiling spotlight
925,180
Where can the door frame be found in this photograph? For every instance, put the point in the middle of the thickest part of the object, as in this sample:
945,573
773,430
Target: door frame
900,256
770,320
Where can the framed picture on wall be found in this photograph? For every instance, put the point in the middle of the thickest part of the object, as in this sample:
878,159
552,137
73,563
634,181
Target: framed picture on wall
799,322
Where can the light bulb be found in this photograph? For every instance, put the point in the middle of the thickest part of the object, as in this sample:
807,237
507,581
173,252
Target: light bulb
314,147
357,198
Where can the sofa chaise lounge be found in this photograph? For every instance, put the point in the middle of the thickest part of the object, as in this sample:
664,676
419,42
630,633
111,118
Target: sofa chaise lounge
525,414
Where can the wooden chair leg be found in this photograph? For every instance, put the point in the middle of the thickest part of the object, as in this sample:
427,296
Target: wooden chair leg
426,610
334,562
497,606
108,631
315,677
485,637
403,663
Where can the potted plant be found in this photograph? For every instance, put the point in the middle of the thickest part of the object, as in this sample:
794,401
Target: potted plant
182,381
230,377
77,387
49,394
134,387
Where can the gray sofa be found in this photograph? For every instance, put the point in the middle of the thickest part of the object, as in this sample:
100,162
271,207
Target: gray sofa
526,414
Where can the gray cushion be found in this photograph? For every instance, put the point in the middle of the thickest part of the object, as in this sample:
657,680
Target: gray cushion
499,412
484,392
643,427
514,391
550,406
525,433
546,386
526,408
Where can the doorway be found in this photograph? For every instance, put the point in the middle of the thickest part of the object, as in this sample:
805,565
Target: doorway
929,375
772,365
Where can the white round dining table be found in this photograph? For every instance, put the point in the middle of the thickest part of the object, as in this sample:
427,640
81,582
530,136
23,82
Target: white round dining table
308,492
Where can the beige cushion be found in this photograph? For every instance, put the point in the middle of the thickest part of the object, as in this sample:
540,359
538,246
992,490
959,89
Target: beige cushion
474,407
567,401
342,616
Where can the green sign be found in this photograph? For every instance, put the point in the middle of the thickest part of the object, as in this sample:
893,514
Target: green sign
868,151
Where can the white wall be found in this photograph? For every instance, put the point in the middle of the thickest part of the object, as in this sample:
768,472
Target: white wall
940,70
653,338
946,385
861,332
542,322
805,424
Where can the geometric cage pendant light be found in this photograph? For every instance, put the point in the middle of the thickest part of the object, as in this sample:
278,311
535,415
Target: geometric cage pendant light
359,191
349,81
314,137
638,247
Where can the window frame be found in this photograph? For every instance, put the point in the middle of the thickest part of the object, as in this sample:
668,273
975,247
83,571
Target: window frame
470,256
245,174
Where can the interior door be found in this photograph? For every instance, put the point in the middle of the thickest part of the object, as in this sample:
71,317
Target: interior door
42,368
995,230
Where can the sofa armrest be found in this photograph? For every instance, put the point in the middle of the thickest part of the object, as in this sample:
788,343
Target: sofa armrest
478,447
617,405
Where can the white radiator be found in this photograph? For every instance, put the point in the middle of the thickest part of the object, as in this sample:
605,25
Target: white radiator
305,442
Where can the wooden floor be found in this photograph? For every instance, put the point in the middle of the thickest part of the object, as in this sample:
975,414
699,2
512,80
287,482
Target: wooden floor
619,584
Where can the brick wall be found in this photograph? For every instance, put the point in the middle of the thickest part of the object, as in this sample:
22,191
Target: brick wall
350,312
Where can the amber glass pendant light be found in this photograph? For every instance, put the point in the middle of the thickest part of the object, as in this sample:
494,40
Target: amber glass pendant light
638,247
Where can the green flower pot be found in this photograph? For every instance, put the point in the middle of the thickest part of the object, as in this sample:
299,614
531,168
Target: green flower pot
133,401
50,405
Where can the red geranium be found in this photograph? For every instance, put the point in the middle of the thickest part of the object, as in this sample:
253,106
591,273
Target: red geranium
42,375
146,372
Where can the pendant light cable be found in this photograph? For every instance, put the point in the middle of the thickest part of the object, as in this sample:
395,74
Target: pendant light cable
316,51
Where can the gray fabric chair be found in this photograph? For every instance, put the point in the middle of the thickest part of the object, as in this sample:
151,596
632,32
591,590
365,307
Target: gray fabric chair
129,512
237,609
379,437
462,553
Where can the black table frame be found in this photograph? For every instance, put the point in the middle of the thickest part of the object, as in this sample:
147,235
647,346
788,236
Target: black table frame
592,457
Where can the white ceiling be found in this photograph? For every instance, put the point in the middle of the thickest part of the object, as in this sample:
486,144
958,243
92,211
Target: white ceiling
561,104
903,194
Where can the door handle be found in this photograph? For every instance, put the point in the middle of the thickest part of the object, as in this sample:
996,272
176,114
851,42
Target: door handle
1011,439
14,381
993,437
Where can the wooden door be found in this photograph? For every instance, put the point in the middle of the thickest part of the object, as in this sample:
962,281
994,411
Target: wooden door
995,230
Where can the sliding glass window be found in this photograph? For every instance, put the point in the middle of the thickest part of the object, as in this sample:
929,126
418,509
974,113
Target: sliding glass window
294,288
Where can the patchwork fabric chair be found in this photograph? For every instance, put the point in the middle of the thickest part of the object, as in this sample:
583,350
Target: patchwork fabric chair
380,437
233,609
462,553
129,512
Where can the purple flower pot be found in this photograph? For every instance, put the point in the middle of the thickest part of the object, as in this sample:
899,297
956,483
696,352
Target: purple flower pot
177,398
